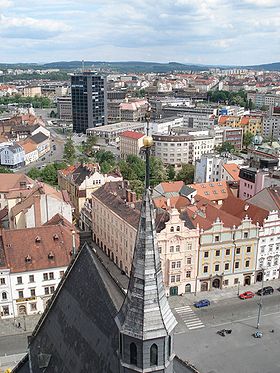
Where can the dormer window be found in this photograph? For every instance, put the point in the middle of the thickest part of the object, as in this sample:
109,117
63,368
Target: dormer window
28,259
55,237
38,239
51,255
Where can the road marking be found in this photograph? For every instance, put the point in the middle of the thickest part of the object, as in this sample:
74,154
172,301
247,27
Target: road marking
190,319
196,327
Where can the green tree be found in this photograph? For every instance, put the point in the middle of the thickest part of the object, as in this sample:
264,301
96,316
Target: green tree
186,173
49,174
34,173
87,147
5,170
137,186
69,153
171,172
247,139
157,171
226,147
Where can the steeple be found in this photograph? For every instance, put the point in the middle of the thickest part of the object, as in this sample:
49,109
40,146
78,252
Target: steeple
145,320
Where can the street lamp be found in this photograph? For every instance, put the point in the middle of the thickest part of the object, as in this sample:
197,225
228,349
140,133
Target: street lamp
261,301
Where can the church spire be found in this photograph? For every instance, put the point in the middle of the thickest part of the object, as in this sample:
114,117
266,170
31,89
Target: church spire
145,320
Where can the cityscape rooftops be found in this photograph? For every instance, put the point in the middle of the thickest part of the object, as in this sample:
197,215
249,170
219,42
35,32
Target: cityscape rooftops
132,135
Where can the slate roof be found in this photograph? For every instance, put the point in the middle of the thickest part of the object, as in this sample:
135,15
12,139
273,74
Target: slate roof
145,313
267,198
39,137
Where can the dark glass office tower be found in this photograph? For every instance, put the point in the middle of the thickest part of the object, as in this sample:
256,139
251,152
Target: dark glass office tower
89,101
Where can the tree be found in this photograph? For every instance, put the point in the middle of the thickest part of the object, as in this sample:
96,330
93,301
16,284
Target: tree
69,153
49,174
186,173
137,186
171,172
247,139
157,171
87,147
5,170
226,147
34,173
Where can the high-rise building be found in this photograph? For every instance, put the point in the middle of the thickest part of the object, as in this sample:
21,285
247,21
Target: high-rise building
89,101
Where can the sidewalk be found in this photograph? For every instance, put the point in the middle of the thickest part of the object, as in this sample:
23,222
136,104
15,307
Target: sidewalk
11,326
216,295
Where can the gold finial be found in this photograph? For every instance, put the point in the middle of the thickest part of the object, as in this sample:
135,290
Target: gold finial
148,141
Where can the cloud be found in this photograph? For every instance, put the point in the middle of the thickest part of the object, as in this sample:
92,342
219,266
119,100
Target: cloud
204,31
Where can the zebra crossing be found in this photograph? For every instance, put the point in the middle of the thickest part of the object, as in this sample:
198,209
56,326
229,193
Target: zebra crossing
191,320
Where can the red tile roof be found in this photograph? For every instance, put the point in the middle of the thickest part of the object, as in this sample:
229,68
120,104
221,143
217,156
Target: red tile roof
38,244
233,170
213,191
132,135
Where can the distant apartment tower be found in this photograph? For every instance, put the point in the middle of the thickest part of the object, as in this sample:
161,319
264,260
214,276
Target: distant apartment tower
89,101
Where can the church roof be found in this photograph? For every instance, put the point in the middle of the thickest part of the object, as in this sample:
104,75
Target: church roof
77,333
145,313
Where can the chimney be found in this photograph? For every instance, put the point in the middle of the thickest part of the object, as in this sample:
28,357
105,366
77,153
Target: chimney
37,211
133,197
128,195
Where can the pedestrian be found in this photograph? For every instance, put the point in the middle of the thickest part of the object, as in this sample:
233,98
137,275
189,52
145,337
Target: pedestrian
18,325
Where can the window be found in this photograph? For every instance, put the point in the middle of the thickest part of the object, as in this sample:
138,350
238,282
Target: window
217,238
226,266
238,250
33,306
188,274
169,345
236,265
19,280
171,229
177,248
227,251
153,355
6,311
45,276
248,249
52,289
31,278
2,281
172,278
173,264
32,292
206,254
217,267
247,263
47,291
178,228
172,249
51,276
236,281
178,278
205,269
20,293
217,252
189,260
159,249
226,282
61,274
178,264
246,234
133,354
4,295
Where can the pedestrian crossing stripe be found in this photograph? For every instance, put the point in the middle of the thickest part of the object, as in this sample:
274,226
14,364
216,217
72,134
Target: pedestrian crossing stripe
190,319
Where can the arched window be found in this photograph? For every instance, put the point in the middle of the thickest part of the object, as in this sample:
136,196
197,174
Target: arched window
4,295
172,229
133,354
154,355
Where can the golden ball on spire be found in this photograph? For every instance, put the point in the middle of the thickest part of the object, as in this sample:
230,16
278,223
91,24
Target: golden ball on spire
148,141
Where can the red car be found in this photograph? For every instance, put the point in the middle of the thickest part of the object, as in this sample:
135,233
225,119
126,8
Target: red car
247,295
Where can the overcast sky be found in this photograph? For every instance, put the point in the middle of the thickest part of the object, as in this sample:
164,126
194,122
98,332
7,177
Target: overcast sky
188,31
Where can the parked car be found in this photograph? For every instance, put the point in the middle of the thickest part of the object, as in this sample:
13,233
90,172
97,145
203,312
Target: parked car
265,290
247,295
202,303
